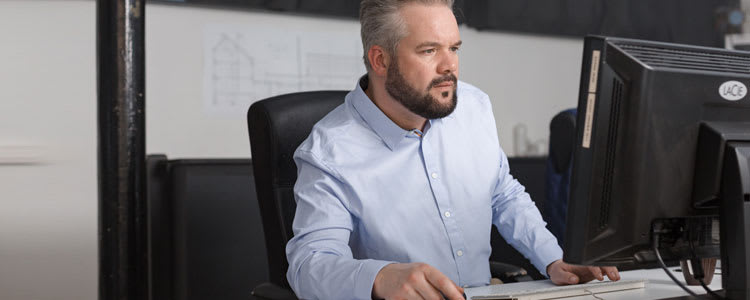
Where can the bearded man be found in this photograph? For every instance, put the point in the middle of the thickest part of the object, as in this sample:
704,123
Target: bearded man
398,188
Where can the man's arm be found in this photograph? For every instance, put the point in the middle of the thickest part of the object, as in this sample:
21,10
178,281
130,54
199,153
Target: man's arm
321,265
521,224
518,220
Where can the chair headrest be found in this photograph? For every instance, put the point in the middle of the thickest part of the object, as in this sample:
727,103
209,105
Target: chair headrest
562,136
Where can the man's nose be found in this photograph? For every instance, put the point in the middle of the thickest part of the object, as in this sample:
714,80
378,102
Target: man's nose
448,63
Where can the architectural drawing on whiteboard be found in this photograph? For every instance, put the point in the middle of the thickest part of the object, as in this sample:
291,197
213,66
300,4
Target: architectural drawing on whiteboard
329,71
243,67
237,79
228,62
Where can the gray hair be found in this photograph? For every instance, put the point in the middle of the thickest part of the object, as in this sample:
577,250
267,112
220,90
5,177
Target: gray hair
383,25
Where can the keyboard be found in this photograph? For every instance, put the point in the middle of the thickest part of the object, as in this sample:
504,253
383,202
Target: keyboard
545,289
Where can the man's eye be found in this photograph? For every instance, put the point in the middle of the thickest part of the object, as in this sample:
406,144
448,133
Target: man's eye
428,51
454,49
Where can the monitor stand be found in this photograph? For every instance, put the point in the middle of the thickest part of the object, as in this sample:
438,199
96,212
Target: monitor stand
723,174
734,216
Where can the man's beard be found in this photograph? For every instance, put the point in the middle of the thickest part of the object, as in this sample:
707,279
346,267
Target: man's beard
422,104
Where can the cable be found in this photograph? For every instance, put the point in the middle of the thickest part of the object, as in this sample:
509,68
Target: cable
712,293
664,266
699,266
592,294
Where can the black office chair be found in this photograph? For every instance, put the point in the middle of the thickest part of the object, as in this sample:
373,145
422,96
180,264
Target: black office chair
562,135
277,126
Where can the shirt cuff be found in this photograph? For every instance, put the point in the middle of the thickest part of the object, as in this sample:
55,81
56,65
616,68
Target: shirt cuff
545,255
366,277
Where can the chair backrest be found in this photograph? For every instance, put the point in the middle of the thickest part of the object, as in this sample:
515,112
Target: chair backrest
562,136
277,126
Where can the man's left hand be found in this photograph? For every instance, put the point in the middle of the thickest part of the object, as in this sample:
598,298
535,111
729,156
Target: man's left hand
562,273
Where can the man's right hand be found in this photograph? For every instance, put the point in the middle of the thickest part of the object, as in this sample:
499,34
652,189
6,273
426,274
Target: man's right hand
414,281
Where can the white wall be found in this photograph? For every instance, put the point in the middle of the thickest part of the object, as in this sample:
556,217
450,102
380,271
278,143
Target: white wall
48,212
528,78
48,203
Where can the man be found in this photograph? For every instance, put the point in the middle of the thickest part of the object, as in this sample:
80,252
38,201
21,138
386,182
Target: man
398,188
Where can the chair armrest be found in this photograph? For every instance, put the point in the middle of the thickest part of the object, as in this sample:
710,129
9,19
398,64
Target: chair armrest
270,291
508,273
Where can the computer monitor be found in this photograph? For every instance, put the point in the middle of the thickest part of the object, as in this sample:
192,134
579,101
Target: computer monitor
662,157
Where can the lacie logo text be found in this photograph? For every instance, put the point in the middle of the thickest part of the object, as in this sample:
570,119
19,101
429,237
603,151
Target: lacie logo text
733,90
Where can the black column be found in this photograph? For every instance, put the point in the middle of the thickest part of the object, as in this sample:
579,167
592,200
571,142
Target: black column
121,149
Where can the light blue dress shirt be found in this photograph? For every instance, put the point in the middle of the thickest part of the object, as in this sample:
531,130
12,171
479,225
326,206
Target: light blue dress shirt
370,193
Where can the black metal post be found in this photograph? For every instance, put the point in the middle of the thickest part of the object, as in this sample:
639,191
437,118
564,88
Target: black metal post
123,271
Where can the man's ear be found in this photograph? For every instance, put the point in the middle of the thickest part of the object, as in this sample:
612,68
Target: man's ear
379,60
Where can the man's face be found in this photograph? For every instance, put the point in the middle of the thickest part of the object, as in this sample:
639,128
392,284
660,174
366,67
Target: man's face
423,74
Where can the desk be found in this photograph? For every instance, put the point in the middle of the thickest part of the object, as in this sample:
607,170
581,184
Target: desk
659,286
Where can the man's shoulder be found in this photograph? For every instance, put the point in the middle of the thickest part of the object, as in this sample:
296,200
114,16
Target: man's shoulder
472,98
329,127
470,89
338,131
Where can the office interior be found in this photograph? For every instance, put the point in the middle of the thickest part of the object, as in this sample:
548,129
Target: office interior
48,103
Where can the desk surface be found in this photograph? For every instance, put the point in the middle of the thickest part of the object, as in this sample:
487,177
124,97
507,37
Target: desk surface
659,286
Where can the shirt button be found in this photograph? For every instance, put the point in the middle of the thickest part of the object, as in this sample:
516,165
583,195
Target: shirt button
460,253
447,214
434,175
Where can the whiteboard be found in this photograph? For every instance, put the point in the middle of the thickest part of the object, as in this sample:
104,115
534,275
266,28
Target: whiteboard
246,64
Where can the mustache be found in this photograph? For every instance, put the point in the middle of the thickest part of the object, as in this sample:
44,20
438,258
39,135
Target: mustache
448,77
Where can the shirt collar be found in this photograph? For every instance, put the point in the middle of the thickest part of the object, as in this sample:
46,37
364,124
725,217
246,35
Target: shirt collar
383,126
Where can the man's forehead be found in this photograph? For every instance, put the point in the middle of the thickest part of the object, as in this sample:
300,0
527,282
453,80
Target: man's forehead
434,24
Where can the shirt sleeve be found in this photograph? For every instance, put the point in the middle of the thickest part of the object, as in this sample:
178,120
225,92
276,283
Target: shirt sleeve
321,264
518,220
